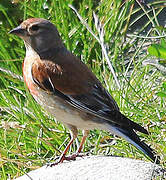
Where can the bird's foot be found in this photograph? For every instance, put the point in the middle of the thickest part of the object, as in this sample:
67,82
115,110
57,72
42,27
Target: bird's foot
67,158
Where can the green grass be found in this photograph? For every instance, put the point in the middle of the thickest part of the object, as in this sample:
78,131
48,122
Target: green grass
30,137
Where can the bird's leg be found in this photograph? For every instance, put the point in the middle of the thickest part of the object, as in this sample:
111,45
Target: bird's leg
85,134
77,154
74,133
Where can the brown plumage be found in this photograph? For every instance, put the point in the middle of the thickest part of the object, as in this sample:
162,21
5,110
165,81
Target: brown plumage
64,74
67,88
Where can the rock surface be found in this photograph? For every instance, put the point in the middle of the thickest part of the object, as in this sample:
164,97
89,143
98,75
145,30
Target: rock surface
98,167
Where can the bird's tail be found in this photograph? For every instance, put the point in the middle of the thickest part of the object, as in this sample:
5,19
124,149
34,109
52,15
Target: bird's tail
132,137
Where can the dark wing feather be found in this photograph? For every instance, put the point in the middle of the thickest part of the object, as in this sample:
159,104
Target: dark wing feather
76,84
102,104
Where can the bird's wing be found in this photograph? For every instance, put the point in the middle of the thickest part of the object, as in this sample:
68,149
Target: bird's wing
76,84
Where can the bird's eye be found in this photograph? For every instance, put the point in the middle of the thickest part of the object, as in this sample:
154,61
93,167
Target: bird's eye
35,28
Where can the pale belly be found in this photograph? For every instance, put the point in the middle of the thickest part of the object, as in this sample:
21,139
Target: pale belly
64,112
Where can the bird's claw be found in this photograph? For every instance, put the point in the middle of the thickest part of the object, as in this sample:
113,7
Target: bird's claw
67,158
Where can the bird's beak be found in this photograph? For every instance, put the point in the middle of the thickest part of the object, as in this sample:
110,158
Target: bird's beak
18,31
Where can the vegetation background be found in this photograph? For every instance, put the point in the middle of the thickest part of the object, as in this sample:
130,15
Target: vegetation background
29,137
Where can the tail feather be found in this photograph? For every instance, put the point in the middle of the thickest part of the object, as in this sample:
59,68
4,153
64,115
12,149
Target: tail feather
133,125
132,137
122,120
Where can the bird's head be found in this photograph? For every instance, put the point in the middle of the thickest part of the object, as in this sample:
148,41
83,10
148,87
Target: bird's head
38,33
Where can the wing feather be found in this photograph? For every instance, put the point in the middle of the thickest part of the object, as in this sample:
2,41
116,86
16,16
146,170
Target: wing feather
81,89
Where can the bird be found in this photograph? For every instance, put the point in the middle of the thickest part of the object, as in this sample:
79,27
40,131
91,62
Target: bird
66,88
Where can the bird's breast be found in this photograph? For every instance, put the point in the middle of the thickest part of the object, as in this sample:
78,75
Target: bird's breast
56,106
27,74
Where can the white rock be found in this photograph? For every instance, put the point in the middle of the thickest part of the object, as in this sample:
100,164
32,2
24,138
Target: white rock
98,168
